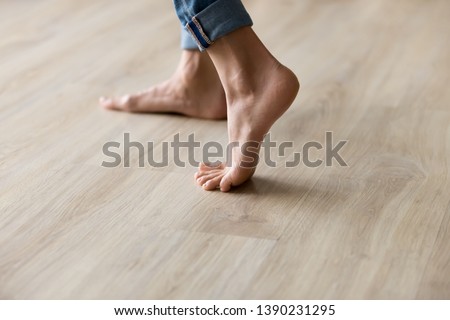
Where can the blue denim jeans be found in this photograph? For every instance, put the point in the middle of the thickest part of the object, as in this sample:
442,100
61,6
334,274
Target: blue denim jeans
187,42
205,21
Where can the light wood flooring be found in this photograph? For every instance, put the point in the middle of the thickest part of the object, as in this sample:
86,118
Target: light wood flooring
375,73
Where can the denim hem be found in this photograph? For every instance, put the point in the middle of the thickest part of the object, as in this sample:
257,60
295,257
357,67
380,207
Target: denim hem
217,20
187,43
197,33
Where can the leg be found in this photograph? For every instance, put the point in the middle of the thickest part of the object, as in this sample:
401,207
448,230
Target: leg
194,89
258,88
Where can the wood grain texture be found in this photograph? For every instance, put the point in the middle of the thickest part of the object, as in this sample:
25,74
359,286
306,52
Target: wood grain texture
374,73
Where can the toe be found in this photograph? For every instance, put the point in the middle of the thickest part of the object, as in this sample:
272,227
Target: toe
106,103
124,103
225,184
212,184
204,179
201,174
201,181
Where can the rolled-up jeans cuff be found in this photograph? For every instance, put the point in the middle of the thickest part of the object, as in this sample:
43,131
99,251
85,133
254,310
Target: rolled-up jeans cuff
187,43
217,20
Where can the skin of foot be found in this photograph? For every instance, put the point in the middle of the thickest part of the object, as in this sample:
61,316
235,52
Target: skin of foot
258,90
194,90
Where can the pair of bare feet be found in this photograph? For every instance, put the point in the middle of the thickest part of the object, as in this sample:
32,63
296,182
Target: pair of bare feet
237,79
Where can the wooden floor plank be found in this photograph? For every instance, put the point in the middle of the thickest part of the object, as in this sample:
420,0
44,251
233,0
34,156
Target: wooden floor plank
372,73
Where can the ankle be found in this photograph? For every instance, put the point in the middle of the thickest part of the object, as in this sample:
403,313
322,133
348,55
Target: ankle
250,82
195,66
189,63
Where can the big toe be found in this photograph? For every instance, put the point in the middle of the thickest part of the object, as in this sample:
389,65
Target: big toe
226,183
122,104
235,177
106,103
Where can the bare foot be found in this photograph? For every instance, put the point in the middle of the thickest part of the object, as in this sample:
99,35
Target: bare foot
194,90
258,90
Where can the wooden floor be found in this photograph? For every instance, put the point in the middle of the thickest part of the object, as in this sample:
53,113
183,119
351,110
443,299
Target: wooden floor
375,73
